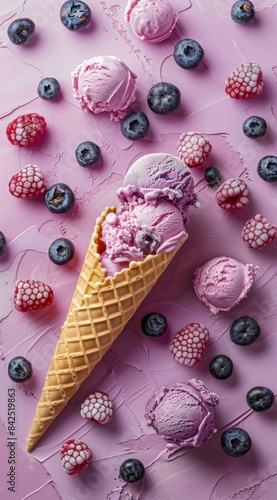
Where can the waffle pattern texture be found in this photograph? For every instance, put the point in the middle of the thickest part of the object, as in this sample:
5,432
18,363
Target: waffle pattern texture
100,308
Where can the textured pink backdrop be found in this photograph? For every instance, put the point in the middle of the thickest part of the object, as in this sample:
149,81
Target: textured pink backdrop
137,365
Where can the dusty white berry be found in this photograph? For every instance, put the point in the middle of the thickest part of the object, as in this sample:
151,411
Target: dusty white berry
98,407
193,149
258,233
190,344
232,194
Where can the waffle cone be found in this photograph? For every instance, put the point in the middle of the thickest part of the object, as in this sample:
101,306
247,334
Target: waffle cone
100,308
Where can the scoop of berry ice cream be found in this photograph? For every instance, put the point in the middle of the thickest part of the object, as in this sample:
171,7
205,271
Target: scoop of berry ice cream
151,21
183,414
137,230
159,176
104,83
223,282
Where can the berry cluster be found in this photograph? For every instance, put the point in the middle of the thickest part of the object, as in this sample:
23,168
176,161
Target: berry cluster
75,456
27,183
26,129
232,194
193,148
32,295
190,344
245,81
258,233
98,407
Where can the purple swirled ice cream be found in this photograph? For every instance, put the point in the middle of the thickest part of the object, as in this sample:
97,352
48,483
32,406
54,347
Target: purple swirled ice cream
159,176
183,414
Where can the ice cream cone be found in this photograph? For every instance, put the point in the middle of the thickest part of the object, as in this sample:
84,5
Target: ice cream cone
100,308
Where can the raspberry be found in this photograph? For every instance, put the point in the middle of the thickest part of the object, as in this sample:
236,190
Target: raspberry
193,149
75,456
26,129
98,407
27,183
190,344
232,194
245,81
31,295
258,233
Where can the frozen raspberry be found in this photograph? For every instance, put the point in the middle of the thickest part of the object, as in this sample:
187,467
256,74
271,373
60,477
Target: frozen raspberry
26,129
27,183
258,233
190,344
245,81
31,295
193,149
75,456
232,194
98,407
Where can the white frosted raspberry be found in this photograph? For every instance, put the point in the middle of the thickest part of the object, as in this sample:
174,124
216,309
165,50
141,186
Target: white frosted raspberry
245,81
75,456
232,194
27,183
190,344
193,149
98,407
32,295
258,233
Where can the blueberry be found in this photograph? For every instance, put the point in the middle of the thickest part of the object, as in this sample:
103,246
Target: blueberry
260,398
147,241
20,369
59,199
88,154
48,88
254,127
242,11
135,125
163,98
131,470
236,442
188,53
212,176
154,324
3,243
61,251
21,31
244,331
221,367
75,15
267,168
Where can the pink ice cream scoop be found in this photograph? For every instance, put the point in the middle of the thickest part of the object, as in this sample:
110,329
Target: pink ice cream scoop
137,230
222,282
104,83
159,176
183,414
151,20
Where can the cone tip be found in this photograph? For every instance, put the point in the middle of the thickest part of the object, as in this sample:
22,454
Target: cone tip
29,445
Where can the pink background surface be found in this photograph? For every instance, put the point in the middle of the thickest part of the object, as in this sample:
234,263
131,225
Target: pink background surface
137,365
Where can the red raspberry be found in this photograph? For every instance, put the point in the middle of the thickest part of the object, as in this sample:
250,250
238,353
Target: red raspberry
258,233
26,129
76,456
193,149
245,81
31,295
190,344
98,407
232,194
27,183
